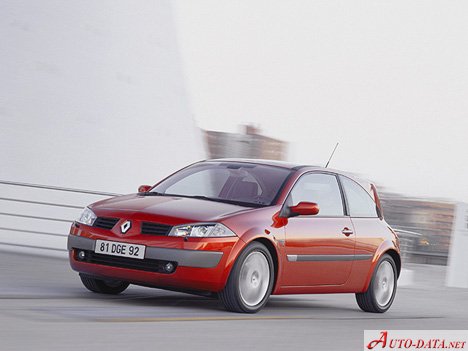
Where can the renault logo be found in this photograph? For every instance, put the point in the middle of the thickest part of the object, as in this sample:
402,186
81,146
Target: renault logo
125,226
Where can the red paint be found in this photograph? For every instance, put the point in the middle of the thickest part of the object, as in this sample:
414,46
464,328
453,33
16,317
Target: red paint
305,209
299,235
144,188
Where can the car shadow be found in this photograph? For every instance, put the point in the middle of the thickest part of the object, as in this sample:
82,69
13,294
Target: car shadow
148,297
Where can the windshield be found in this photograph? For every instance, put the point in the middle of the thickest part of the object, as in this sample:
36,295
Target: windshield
246,184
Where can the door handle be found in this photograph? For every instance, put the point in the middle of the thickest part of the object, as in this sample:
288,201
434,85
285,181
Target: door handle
346,231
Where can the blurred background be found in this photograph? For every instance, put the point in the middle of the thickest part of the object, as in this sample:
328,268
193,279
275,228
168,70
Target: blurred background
98,97
107,95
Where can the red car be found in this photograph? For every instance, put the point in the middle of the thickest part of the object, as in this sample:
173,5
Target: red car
242,230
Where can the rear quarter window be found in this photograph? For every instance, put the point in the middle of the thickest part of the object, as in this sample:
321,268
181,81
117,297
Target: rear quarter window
360,203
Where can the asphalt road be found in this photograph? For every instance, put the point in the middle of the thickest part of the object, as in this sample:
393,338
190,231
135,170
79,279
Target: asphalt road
44,307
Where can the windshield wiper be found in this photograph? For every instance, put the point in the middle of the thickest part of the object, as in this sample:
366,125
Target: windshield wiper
151,193
201,197
216,199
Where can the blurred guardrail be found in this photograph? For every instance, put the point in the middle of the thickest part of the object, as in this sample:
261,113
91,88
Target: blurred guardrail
28,221
408,241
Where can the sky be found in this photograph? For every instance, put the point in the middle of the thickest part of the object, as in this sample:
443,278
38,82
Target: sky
388,80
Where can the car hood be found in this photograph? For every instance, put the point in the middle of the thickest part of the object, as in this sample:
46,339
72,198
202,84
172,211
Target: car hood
183,208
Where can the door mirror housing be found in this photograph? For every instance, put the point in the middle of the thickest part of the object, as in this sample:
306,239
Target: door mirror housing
304,209
144,188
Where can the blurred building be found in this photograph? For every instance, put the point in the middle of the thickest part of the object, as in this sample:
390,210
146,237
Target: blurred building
432,219
92,97
249,144
457,270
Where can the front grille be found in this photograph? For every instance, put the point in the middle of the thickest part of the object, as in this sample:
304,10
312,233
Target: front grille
146,264
105,222
155,228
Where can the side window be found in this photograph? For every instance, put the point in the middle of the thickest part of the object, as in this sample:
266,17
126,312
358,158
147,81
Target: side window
322,189
360,203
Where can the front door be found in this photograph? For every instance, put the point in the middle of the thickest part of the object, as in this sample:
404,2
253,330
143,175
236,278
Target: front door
320,248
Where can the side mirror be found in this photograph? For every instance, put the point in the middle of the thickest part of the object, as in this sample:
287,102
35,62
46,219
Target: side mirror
304,209
144,188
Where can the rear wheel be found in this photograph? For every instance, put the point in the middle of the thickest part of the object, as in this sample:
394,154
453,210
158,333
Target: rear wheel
382,289
112,287
251,280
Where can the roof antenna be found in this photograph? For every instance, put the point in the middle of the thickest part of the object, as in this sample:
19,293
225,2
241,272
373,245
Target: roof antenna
333,152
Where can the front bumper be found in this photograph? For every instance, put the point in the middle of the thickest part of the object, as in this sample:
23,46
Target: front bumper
183,257
201,265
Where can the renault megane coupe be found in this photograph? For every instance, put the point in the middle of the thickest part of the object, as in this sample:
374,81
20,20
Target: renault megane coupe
241,230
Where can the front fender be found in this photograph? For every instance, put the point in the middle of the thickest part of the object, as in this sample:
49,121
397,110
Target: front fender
255,234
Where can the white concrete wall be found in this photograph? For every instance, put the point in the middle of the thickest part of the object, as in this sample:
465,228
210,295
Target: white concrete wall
92,96
457,270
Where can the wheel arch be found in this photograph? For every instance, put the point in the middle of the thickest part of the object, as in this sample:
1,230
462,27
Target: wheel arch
396,257
387,247
231,295
269,244
274,255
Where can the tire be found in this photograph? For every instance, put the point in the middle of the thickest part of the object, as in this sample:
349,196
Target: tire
382,289
111,287
251,280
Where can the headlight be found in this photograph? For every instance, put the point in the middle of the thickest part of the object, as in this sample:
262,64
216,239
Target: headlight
87,217
202,230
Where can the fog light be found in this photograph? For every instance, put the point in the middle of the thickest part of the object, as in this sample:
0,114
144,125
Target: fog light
81,255
169,267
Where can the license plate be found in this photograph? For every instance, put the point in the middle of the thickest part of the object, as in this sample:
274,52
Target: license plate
120,249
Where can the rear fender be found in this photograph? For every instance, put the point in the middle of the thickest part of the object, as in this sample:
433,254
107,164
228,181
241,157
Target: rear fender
381,250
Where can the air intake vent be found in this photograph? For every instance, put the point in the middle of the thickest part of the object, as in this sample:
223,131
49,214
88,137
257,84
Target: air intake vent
155,228
105,222
149,265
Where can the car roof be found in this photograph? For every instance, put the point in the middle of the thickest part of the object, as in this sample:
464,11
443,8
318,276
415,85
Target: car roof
275,163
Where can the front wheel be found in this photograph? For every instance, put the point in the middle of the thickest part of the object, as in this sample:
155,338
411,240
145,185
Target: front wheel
112,287
251,280
382,289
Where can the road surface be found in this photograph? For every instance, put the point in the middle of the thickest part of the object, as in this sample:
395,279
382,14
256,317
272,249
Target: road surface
44,307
